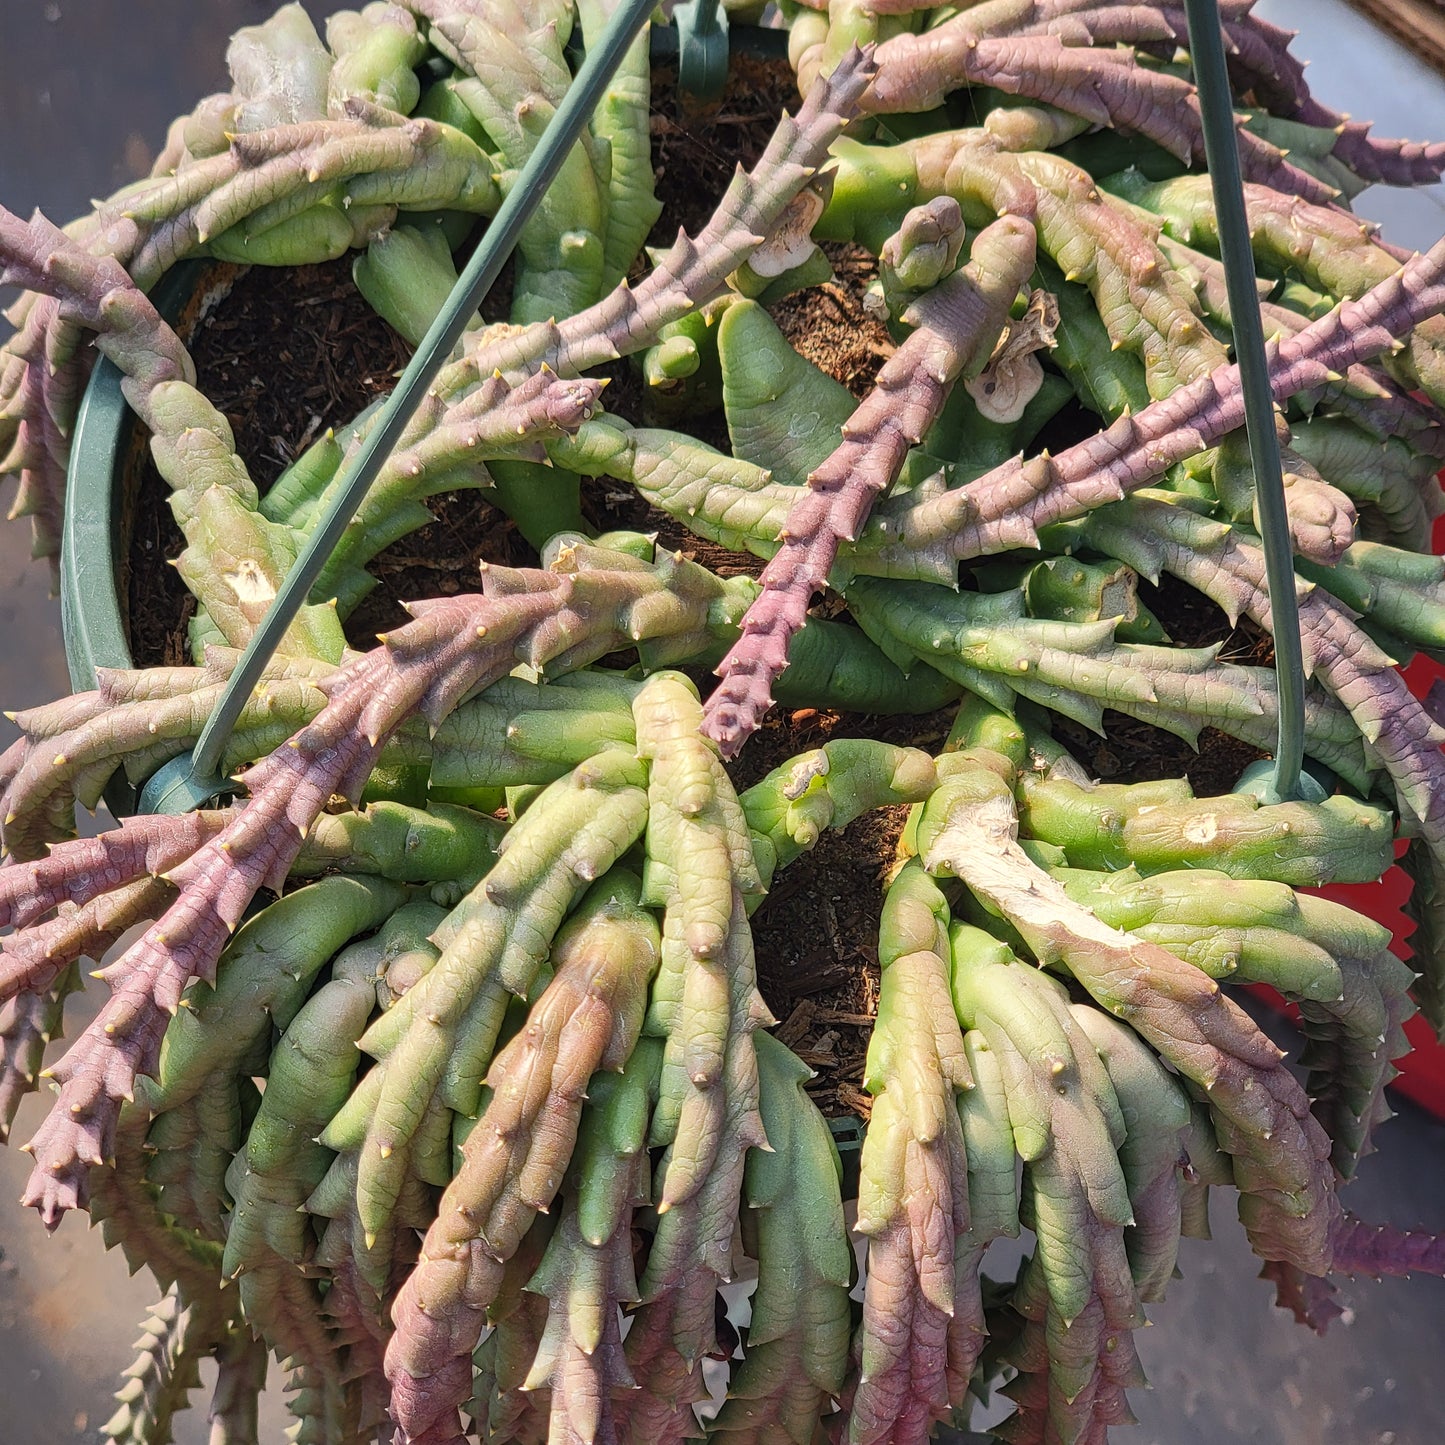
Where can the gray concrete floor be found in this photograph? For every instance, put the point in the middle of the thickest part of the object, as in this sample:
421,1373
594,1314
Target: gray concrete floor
86,89
1227,1368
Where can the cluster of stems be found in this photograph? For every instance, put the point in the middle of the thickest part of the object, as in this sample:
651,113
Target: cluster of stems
438,1071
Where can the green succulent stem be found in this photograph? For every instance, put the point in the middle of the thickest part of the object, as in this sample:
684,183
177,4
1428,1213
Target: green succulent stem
969,829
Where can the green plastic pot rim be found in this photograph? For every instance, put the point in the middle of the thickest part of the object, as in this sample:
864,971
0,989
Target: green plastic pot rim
92,611
93,541
92,544
848,1134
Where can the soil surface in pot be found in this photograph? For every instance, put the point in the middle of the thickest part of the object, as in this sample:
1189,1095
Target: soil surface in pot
335,356
816,933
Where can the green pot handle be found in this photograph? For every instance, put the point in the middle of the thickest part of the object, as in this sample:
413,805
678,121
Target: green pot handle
1221,151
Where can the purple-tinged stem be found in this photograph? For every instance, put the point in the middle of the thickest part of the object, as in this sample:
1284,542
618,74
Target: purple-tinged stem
1370,397
1262,63
79,871
31,418
1105,87
1312,1300
96,293
1259,61
957,324
1381,1249
27,1026
33,959
1005,508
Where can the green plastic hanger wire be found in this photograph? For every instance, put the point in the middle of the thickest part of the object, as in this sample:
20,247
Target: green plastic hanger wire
702,37
194,779
1221,150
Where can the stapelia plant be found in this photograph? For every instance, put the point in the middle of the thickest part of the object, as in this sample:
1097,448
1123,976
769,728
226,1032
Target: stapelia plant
523,1116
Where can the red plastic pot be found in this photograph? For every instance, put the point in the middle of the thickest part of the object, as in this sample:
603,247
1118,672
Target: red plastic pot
1422,1070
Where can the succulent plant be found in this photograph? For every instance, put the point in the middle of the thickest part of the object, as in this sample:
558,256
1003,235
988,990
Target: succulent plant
523,1115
